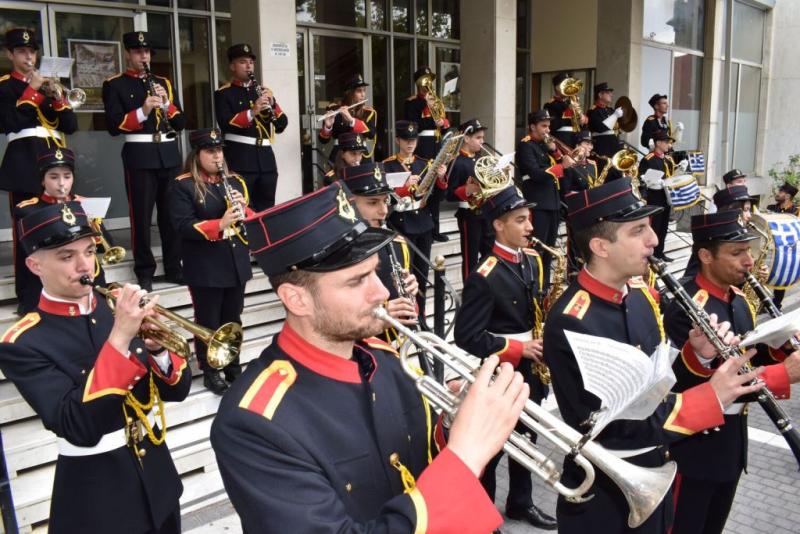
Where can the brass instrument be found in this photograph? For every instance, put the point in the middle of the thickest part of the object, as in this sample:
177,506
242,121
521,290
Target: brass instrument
629,119
626,161
751,292
560,145
226,184
164,126
339,110
643,488
435,104
54,89
224,344
447,153
111,255
490,179
570,88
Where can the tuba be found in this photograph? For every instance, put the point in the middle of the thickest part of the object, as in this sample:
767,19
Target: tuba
437,107
571,87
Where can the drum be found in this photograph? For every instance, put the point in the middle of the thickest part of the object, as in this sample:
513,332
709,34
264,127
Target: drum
683,191
782,256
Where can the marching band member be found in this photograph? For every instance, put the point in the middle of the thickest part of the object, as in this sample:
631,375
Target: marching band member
56,167
579,177
710,463
150,154
657,195
350,153
308,418
542,167
33,121
250,117
561,112
214,250
417,108
499,314
613,233
603,120
658,121
93,383
361,120
473,228
784,203
734,177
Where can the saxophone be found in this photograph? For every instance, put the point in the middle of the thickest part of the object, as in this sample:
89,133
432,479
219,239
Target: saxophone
557,288
447,153
750,292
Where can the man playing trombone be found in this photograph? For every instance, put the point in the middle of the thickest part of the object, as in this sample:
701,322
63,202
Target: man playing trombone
613,233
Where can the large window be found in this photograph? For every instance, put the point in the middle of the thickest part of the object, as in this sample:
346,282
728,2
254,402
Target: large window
674,22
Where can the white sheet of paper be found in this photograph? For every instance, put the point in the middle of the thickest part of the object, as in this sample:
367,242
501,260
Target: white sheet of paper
58,67
629,384
505,161
774,332
96,206
450,86
652,178
397,179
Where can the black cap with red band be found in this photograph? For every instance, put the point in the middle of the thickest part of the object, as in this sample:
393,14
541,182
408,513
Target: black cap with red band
366,179
53,226
720,226
613,201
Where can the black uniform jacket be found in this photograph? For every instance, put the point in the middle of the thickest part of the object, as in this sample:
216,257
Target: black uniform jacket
416,109
651,125
560,117
77,383
366,127
306,441
539,172
123,95
461,170
22,107
658,162
412,222
500,297
721,454
579,177
210,258
606,144
233,101
775,208
590,307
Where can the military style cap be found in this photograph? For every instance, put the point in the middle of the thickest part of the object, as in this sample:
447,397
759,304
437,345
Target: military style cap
351,141
56,157
136,40
731,194
662,135
581,136
600,87
472,126
240,50
406,129
535,117
506,200
613,201
422,71
355,82
789,189
560,77
317,232
53,226
206,138
18,37
366,179
654,99
732,175
719,226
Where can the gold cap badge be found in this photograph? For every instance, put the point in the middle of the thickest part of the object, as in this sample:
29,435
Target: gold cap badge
345,208
67,216
59,156
377,174
246,48
141,37
213,134
26,36
358,139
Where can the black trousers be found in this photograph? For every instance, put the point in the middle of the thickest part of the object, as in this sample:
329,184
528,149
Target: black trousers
261,186
477,239
419,265
659,221
23,278
213,307
172,525
146,189
545,229
702,506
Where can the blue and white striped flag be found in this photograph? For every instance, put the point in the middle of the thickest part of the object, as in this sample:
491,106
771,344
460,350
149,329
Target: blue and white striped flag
697,161
785,270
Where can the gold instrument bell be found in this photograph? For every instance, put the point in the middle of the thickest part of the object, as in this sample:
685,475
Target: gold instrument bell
490,178
437,109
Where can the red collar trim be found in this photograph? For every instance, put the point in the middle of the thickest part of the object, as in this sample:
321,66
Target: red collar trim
713,289
47,198
19,76
66,309
133,73
599,103
599,289
420,95
210,179
504,254
464,152
658,154
321,362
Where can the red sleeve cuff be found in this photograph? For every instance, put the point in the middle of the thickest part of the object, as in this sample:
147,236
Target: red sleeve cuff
402,191
178,365
776,377
31,96
241,119
360,127
439,436
778,355
692,363
172,110
695,409
441,182
446,123
130,122
209,229
441,510
512,352
113,374
557,170
276,110
60,105
461,193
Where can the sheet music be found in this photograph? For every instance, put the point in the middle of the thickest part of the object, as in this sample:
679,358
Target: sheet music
56,67
96,206
450,86
397,179
774,332
629,384
652,179
505,161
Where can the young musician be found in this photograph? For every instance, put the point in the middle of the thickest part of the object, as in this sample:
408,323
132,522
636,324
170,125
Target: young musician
603,121
710,464
473,228
250,117
734,177
327,415
656,193
206,214
96,385
784,203
580,177
500,314
658,121
33,121
561,112
613,232
144,109
351,117
350,153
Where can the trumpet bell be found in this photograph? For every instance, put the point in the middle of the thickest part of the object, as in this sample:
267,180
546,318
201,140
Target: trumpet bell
570,87
113,256
76,97
224,345
624,160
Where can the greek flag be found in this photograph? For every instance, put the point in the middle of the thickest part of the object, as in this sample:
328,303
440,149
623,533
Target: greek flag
785,270
685,195
697,161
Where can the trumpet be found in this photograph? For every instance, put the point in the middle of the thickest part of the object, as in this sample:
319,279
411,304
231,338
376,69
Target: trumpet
337,111
111,255
54,89
643,488
224,344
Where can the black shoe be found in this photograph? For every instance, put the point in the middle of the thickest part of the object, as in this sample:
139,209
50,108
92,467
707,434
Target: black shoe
534,516
213,382
175,278
441,238
146,284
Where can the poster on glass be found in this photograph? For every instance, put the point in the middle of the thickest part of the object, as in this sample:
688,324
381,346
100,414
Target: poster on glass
94,62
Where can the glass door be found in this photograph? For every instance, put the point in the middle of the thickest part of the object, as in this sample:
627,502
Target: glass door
447,66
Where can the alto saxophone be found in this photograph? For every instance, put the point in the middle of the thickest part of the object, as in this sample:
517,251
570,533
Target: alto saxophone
557,288
750,292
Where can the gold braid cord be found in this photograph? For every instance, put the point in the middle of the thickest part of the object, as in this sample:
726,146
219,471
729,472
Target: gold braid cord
141,410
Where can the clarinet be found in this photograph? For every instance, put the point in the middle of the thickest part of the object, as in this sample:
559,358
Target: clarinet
226,184
268,111
765,299
700,318
168,131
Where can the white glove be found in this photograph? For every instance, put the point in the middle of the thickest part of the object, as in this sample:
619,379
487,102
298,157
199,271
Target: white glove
619,112
683,165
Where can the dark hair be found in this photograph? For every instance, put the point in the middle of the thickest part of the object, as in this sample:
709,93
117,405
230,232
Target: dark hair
604,230
306,279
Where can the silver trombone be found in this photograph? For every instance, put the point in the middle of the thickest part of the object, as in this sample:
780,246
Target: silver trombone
643,488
